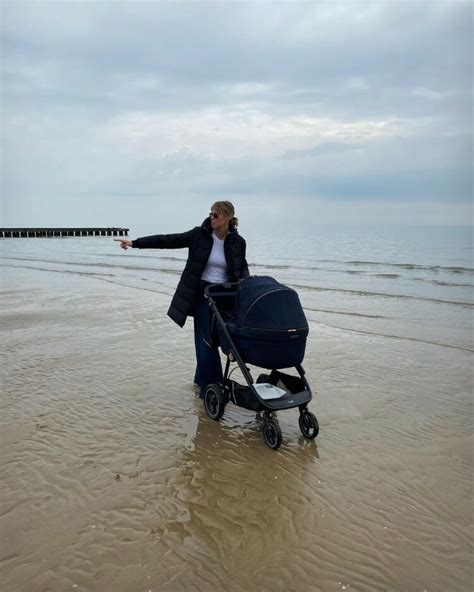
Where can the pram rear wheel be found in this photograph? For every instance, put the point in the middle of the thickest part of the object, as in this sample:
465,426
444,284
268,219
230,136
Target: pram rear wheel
272,434
263,378
214,401
309,425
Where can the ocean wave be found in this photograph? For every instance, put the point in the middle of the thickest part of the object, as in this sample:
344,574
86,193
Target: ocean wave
136,256
434,282
451,284
436,269
398,337
271,266
97,276
104,265
383,295
388,264
305,268
345,313
410,266
84,273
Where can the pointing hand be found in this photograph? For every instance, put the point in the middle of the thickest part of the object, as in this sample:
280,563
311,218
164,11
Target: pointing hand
124,243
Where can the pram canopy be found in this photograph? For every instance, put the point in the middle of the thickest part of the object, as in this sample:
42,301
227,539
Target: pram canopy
269,327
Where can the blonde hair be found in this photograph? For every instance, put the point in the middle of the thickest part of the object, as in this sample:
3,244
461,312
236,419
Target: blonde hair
227,208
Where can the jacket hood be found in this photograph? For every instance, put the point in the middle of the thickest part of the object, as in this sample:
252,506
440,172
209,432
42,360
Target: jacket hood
206,225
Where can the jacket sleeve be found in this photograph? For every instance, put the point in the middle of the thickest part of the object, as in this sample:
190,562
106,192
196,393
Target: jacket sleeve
165,241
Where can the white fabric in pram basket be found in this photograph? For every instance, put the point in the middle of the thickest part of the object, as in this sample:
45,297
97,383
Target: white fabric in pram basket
269,391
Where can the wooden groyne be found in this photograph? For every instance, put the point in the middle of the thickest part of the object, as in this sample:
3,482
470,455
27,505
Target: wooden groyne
60,232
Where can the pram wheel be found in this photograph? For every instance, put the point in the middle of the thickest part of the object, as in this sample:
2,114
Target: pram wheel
309,425
214,401
262,378
272,433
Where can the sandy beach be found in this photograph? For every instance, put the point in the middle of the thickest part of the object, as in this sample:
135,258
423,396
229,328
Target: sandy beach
112,478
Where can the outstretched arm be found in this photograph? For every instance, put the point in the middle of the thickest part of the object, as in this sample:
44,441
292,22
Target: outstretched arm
159,241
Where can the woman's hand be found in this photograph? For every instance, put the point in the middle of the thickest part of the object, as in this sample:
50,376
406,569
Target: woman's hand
124,243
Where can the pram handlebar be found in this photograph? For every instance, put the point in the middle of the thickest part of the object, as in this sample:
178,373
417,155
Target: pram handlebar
228,289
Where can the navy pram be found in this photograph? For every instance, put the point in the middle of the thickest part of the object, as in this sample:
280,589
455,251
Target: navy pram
260,321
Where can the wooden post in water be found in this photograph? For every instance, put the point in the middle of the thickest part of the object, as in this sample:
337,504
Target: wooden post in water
61,232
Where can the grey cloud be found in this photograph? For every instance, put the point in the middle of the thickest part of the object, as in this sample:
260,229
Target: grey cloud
321,150
400,186
398,47
71,68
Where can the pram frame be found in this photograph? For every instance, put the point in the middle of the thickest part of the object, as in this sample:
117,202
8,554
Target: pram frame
308,423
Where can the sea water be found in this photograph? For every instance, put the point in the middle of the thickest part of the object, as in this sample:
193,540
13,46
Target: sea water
399,282
112,477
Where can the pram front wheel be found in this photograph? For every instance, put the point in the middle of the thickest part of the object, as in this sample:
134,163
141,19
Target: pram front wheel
309,425
214,401
272,434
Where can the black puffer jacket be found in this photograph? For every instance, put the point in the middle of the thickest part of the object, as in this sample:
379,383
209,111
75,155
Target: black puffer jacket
199,242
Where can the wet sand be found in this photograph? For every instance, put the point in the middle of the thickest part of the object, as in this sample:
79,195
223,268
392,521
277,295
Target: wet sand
112,478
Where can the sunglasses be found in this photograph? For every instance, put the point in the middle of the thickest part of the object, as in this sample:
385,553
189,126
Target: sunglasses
213,215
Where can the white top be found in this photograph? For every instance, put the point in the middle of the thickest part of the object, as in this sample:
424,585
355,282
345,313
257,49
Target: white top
216,268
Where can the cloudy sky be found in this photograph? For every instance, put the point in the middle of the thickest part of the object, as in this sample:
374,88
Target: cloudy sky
125,113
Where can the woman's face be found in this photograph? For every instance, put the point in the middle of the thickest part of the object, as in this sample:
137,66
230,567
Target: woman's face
219,220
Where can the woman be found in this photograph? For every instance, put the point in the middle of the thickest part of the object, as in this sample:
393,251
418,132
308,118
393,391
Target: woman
216,255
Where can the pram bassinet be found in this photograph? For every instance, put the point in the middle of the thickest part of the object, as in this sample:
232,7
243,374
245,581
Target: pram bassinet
268,325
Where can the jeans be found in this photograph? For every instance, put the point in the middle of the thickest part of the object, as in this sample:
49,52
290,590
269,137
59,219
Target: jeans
209,367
